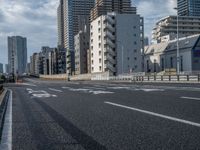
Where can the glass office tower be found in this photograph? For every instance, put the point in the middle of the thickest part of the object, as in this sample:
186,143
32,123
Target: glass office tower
188,7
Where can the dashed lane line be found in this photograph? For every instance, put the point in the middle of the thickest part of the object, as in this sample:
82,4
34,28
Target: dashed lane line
191,98
155,114
55,90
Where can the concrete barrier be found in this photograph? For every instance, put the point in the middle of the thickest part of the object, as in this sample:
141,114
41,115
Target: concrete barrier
106,77
54,77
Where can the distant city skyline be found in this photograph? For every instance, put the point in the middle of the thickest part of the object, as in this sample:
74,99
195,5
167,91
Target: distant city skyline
43,30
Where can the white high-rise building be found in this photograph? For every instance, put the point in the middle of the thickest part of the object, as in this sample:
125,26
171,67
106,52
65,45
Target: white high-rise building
116,44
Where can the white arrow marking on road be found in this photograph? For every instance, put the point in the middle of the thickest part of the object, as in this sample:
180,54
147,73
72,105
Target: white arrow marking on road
156,114
55,90
192,98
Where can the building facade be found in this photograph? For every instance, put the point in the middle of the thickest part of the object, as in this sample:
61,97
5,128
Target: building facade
81,47
72,17
102,7
163,56
188,7
116,43
1,68
166,28
17,54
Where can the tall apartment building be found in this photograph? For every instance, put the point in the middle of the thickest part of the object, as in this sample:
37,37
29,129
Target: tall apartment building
102,7
81,47
72,17
188,7
34,64
166,28
1,68
17,54
116,43
6,68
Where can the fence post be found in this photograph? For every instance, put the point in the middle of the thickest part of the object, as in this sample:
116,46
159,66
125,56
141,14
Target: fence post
161,78
198,77
154,77
178,77
188,78
148,78
169,77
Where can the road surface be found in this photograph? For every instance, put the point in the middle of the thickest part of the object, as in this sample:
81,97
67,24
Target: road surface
56,115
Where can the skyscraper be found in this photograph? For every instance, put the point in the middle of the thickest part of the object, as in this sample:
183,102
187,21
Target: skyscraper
188,7
17,54
1,68
73,15
102,7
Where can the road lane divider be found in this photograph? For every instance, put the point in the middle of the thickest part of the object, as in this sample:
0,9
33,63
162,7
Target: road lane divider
55,90
155,114
191,98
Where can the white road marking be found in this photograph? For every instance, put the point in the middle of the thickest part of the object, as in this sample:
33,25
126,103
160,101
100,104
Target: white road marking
55,90
39,94
151,90
6,143
81,90
156,114
119,88
28,84
66,87
100,92
192,98
89,90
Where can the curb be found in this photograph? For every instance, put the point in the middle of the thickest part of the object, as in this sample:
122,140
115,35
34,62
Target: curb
3,106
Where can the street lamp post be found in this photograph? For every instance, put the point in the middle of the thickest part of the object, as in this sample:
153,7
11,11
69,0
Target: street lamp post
122,58
178,53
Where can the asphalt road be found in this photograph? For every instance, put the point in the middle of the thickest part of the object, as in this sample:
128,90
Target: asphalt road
56,115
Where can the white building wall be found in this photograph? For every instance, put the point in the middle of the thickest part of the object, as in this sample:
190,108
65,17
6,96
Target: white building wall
111,33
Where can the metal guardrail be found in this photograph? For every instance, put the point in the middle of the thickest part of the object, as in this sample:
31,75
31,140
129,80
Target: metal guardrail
159,78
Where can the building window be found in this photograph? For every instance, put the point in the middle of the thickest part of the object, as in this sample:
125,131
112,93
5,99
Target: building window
99,53
100,68
99,60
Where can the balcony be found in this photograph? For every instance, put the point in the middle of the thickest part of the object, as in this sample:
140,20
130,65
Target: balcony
109,35
110,67
110,51
110,20
110,28
109,42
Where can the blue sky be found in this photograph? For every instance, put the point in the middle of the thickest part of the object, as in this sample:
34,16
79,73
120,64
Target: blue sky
36,20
